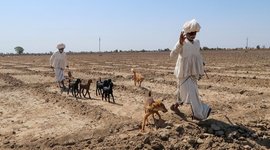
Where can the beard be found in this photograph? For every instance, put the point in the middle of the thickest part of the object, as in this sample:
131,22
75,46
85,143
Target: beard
191,37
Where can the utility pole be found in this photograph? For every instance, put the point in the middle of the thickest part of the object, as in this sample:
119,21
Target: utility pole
99,44
247,44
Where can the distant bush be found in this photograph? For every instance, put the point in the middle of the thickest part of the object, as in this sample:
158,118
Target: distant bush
19,50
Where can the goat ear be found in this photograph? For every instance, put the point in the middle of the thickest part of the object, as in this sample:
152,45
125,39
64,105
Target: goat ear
156,104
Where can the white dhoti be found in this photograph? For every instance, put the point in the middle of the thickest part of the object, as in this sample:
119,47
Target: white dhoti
59,74
187,92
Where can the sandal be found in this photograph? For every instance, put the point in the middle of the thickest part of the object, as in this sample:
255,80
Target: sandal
174,107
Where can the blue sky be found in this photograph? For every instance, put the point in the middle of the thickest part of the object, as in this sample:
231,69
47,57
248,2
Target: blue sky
38,25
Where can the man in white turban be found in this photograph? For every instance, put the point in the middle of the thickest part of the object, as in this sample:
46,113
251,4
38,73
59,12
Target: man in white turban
58,62
188,69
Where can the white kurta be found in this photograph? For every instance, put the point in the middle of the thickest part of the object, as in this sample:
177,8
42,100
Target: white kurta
189,60
59,62
189,67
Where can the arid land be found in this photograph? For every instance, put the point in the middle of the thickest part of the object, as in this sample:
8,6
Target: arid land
36,115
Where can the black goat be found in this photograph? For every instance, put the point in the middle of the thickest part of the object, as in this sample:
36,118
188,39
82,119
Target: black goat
74,87
99,87
107,90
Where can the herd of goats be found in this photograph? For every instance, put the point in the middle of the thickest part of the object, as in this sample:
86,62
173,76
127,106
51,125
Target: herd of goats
105,89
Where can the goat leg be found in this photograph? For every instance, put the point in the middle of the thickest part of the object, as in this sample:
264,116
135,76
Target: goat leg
75,92
80,91
72,91
158,115
89,95
106,98
84,94
113,97
68,90
108,95
102,95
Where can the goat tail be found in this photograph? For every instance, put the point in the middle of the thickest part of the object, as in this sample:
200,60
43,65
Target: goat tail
150,94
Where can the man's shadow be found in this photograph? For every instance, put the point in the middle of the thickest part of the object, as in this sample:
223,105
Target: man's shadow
231,132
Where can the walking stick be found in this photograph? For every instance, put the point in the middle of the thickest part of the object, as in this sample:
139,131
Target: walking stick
206,74
205,71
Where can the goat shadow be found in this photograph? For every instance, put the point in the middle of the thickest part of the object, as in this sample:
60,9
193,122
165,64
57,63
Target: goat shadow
114,103
111,102
87,98
231,131
80,98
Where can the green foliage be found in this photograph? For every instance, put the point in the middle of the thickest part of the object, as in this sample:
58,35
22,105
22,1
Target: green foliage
205,48
19,50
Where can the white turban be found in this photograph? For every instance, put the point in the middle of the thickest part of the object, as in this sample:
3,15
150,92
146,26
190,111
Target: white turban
61,46
191,26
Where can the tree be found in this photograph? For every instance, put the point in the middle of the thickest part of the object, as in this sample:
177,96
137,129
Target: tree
258,47
166,49
205,48
19,50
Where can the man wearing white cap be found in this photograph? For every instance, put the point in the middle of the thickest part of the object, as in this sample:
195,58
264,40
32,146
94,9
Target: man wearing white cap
189,69
58,62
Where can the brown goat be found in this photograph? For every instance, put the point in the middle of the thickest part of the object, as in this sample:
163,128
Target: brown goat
137,77
69,77
85,87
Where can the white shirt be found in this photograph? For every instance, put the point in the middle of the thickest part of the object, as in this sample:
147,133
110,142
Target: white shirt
58,60
189,60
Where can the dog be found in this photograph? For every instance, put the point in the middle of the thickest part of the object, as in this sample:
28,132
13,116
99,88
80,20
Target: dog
137,77
85,87
152,107
74,87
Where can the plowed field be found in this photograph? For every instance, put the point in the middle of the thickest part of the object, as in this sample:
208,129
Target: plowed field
34,114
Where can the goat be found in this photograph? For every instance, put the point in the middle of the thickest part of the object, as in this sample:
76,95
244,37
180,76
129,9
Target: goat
74,87
137,77
152,107
85,87
99,87
70,77
108,90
